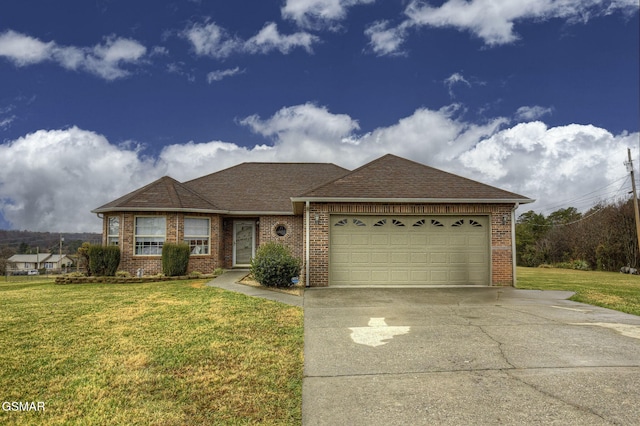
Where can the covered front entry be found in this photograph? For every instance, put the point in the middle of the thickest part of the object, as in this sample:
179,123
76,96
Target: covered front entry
244,242
409,250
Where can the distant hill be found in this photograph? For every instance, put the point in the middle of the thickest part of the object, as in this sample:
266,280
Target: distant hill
32,242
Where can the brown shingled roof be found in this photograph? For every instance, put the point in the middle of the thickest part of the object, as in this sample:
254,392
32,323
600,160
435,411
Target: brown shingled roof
253,188
165,193
392,177
263,187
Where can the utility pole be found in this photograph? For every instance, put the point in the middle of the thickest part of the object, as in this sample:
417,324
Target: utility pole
635,195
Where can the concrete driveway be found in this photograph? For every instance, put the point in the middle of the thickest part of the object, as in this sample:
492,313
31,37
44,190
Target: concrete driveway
467,356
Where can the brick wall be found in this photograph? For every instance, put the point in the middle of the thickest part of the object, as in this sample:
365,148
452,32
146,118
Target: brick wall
500,218
221,243
174,233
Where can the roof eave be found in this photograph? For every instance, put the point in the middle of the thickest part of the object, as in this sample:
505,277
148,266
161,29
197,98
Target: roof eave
296,201
413,200
155,209
187,210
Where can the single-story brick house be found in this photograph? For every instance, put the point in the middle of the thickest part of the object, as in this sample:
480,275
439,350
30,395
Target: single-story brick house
392,221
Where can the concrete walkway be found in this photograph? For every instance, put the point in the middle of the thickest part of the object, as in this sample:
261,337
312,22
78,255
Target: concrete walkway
229,281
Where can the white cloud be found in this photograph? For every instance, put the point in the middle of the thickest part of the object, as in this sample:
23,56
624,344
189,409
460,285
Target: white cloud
212,40
218,75
531,113
492,21
23,50
83,170
454,79
103,60
386,41
319,14
551,164
50,180
269,39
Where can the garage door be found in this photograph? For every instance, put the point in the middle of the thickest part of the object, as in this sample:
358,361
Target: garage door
409,250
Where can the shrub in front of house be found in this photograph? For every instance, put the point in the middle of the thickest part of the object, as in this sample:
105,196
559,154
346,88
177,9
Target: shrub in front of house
103,260
175,259
274,265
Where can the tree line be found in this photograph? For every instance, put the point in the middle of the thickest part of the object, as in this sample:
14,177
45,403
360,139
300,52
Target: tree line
602,238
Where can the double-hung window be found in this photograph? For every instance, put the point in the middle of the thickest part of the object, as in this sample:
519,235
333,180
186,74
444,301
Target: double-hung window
150,234
113,231
196,234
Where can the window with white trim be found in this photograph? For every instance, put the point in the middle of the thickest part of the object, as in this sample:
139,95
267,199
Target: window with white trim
196,234
113,232
150,234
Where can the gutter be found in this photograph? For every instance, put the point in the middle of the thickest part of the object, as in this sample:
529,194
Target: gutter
187,210
307,282
414,200
513,242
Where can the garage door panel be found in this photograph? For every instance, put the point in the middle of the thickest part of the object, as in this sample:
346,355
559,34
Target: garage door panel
400,276
380,276
418,240
401,258
362,258
458,240
476,241
436,250
360,239
399,240
438,258
339,240
437,240
380,239
380,258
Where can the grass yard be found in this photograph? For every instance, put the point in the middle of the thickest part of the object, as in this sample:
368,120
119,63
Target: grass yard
170,353
611,290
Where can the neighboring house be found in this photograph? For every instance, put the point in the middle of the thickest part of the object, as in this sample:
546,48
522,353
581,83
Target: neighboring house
390,222
28,262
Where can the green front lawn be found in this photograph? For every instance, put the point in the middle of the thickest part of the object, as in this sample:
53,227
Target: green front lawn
611,290
170,353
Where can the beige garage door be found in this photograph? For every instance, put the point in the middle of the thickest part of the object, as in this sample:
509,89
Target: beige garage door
409,250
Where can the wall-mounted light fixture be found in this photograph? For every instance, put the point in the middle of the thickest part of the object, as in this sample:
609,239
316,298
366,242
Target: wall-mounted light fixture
317,218
505,219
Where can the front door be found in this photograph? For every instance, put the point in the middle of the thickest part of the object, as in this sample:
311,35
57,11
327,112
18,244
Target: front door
244,242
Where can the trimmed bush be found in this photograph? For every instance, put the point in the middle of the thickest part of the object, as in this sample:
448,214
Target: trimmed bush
103,260
274,265
175,259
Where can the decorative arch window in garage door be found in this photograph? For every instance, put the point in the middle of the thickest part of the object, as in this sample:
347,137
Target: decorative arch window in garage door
409,250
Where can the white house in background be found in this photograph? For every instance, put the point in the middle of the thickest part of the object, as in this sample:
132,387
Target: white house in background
29,262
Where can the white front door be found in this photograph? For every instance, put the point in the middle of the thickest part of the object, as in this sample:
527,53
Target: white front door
244,242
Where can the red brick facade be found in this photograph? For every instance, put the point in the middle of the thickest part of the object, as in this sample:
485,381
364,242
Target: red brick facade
220,249
221,236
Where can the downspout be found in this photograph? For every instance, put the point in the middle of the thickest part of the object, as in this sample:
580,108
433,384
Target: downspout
513,242
307,244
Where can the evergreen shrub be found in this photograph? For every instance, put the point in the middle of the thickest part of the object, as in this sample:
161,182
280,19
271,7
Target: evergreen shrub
274,265
103,260
175,259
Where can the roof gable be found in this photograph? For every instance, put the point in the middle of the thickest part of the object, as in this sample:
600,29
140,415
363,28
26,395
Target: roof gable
165,193
392,177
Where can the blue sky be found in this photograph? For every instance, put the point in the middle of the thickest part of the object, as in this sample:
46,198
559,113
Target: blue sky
99,98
